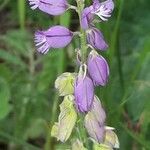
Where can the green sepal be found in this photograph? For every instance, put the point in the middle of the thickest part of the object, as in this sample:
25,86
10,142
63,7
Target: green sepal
66,121
78,145
65,84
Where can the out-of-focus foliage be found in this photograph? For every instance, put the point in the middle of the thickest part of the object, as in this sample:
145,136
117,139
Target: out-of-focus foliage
27,78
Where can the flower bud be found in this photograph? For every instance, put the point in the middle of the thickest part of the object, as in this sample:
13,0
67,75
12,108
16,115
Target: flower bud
65,83
54,37
52,7
98,68
94,129
78,145
83,91
95,39
66,121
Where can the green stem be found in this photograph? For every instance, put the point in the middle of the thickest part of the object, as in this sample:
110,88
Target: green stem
80,6
49,145
83,135
21,13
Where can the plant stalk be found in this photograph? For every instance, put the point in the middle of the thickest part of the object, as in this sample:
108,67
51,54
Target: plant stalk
80,7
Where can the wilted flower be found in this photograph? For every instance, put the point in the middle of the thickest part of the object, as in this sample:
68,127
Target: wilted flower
54,37
65,83
52,7
111,138
66,121
78,145
97,146
98,68
94,129
95,39
83,91
104,9
95,121
98,111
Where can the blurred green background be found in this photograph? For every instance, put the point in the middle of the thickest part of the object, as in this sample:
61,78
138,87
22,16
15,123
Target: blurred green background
27,78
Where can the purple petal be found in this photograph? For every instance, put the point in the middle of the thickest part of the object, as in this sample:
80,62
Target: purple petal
87,17
95,131
96,39
104,9
52,7
84,93
108,4
98,111
98,69
54,37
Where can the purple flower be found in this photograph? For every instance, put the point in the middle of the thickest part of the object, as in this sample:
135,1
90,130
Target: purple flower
54,37
52,7
96,39
83,91
95,121
87,17
98,68
104,9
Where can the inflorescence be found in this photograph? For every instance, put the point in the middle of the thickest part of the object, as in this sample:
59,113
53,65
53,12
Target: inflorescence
80,104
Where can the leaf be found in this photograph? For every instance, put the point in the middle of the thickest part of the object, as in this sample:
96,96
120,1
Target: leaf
10,58
36,129
4,98
19,42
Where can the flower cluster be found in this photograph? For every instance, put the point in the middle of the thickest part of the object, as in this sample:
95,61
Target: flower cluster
78,88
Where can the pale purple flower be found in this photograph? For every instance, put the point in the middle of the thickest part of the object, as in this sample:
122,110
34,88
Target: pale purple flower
52,7
95,39
98,111
83,92
95,121
98,68
54,37
104,9
94,129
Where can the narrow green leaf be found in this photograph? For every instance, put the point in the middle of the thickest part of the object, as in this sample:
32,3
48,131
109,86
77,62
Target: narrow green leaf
4,98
